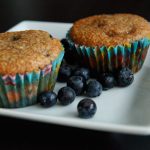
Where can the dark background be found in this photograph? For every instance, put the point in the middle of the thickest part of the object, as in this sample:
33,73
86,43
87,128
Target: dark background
14,11
24,135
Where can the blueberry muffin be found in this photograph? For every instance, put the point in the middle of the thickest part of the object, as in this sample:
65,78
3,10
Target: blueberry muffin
29,63
105,43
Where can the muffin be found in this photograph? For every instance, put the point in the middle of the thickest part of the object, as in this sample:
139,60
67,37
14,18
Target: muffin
29,64
105,43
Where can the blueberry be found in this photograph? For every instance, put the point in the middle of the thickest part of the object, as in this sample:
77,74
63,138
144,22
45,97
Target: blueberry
47,99
84,72
107,80
64,73
77,83
65,43
67,50
86,108
74,67
66,95
124,77
71,55
93,88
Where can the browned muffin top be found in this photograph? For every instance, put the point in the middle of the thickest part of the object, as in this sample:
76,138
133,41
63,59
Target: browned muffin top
109,30
27,51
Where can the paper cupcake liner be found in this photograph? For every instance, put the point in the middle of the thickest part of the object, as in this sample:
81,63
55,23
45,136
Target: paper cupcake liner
22,89
108,59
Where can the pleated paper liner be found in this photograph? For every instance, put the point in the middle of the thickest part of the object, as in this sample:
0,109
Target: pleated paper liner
108,59
22,90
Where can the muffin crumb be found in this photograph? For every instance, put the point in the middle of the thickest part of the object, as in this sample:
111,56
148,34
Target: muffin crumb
25,51
109,30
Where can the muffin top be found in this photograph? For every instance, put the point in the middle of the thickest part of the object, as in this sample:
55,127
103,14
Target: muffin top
26,51
109,30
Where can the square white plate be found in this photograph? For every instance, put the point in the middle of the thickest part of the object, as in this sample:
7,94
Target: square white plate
125,110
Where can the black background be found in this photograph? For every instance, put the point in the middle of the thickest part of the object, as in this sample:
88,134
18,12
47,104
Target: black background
14,11
22,135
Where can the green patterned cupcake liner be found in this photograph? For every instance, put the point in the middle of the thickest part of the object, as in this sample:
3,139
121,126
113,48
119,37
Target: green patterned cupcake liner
22,89
108,59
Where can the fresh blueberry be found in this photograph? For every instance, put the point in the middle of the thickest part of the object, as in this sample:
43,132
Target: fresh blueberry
86,108
66,95
64,73
74,68
124,77
47,99
71,55
84,72
93,88
67,50
107,80
77,83
65,43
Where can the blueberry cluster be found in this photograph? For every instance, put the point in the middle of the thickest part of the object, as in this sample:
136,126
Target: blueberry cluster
78,82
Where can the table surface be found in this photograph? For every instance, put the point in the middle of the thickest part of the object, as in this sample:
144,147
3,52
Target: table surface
22,134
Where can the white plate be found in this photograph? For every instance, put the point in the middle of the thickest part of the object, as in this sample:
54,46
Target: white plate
125,110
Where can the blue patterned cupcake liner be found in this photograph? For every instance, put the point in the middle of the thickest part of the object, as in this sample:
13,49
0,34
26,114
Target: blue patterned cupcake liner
22,89
108,59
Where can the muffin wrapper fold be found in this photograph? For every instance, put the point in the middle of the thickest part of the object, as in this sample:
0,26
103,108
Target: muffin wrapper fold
108,59
22,89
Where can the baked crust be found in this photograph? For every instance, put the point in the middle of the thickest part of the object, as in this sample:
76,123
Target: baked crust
109,30
26,51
